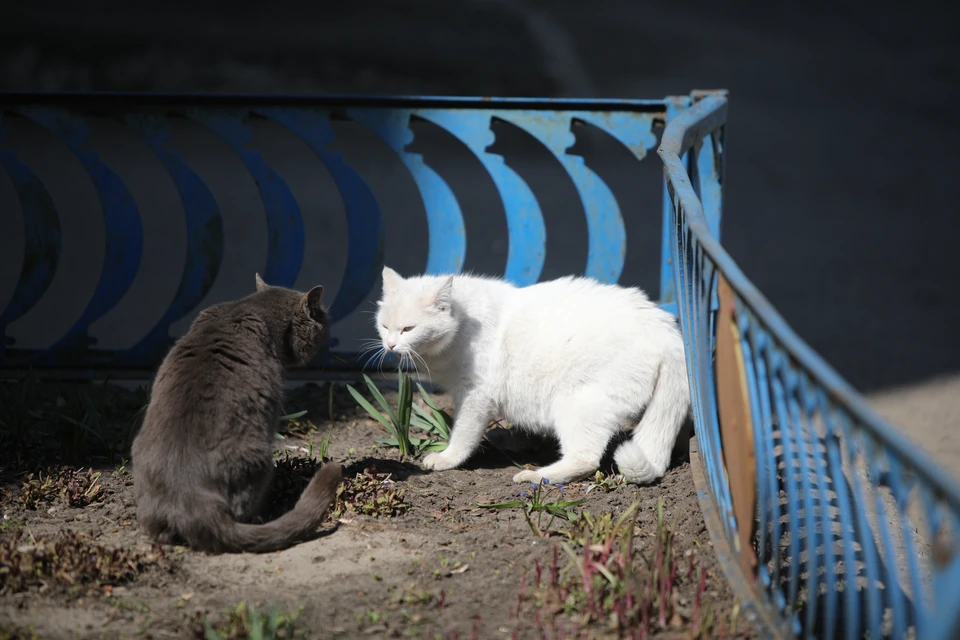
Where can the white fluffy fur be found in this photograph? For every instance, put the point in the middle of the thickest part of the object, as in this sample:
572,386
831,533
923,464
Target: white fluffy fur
571,357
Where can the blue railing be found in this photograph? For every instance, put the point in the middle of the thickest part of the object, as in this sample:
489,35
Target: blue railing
834,524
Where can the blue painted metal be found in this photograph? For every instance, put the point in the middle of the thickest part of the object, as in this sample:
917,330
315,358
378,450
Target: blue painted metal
839,549
284,222
448,238
607,240
527,232
42,240
850,535
232,118
204,239
121,221
365,222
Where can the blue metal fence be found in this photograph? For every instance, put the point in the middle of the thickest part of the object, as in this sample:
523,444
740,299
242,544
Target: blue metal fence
833,522
35,295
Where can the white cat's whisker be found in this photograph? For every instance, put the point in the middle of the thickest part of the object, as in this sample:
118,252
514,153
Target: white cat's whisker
417,356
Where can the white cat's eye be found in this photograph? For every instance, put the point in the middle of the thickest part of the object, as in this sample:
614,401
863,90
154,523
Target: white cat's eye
405,329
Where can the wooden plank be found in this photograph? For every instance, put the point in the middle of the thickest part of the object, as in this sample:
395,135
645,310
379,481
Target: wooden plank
736,428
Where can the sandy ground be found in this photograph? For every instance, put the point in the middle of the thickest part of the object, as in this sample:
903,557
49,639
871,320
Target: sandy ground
426,562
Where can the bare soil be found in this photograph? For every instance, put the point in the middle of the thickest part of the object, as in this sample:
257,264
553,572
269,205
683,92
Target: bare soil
439,567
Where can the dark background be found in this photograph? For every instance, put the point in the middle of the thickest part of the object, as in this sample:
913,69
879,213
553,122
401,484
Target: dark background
843,143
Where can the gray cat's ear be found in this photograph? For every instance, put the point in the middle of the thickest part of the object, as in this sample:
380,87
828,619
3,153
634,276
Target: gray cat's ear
391,279
261,285
314,301
444,295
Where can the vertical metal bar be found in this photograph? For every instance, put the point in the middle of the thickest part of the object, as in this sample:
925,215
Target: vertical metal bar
864,534
760,345
804,451
776,363
851,600
811,404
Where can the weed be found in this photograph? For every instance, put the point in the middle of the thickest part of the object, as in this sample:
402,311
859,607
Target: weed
19,634
77,488
245,622
70,560
535,501
8,524
589,529
369,493
431,419
296,425
605,482
319,449
602,584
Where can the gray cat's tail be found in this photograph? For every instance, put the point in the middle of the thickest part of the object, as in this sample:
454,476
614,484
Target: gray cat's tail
221,533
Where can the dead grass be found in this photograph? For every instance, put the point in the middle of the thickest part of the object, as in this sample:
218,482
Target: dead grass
69,561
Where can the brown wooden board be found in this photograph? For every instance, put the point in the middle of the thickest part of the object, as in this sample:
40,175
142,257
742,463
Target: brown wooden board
736,428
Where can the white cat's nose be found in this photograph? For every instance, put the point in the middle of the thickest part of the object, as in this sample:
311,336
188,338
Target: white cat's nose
391,346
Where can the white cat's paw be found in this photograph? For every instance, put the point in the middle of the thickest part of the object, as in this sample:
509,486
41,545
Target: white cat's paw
439,461
533,476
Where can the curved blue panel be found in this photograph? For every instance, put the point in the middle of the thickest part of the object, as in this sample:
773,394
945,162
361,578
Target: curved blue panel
41,236
284,221
632,130
122,226
204,237
448,238
607,236
528,234
364,219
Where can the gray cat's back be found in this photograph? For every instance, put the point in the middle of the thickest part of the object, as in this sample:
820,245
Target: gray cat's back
203,459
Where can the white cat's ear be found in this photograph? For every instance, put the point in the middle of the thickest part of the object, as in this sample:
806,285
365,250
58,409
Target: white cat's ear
391,279
444,295
261,285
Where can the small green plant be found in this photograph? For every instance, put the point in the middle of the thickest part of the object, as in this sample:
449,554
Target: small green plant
249,622
431,419
8,524
18,633
607,581
605,482
535,501
320,448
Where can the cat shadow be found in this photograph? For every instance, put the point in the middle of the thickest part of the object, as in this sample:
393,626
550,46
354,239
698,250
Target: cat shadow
399,470
503,448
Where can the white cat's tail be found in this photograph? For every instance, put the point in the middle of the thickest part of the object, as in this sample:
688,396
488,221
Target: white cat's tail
645,456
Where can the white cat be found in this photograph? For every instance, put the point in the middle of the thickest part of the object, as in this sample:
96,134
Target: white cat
571,357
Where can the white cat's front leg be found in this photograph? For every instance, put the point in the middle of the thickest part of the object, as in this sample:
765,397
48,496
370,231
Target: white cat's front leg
473,417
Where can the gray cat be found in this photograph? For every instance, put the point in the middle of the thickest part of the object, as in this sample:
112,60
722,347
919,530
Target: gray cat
203,460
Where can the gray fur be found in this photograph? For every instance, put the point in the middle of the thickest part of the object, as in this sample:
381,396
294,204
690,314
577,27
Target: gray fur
203,460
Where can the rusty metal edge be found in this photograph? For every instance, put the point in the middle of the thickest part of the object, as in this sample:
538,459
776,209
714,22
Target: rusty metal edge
760,617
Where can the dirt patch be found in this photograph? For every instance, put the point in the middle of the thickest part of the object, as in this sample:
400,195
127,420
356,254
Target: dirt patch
407,553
